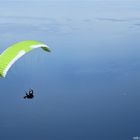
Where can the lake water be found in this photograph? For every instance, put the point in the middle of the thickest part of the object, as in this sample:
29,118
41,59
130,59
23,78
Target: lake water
88,87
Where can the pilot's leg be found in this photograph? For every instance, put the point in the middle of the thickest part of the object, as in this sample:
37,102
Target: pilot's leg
25,97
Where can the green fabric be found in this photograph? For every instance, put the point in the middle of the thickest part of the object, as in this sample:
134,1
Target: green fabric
10,53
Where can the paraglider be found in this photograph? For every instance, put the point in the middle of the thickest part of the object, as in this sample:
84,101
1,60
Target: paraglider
29,95
14,52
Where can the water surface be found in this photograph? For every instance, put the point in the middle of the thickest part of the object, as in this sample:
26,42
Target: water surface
87,88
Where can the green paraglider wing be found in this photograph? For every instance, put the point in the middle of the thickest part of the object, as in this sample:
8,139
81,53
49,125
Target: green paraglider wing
14,52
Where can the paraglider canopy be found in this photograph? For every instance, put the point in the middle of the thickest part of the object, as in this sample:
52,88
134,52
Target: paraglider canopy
14,52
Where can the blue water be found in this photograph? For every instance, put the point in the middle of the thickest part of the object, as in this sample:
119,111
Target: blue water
87,88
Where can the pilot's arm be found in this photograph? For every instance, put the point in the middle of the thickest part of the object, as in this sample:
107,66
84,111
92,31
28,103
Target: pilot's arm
26,93
31,91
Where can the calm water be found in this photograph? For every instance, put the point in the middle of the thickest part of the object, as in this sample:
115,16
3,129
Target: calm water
88,87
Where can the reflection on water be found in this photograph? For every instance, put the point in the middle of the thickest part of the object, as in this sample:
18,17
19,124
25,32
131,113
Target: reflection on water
88,87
